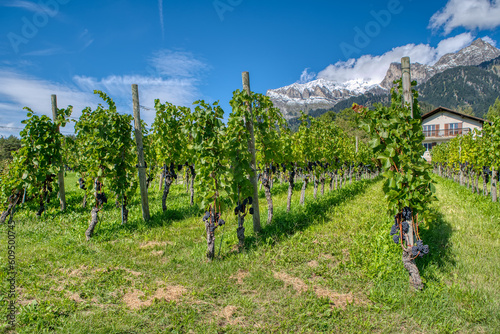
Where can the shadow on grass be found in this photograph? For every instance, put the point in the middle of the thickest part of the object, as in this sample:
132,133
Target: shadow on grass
161,219
438,238
299,218
157,219
280,188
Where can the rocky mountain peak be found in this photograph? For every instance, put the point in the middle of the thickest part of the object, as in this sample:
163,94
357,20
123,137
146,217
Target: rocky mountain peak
324,94
476,53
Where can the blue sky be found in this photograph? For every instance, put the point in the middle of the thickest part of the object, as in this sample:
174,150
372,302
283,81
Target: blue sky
182,51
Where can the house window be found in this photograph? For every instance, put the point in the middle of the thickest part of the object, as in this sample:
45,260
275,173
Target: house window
429,146
430,130
455,129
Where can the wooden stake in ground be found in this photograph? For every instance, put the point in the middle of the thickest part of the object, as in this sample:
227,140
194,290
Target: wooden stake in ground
406,78
140,153
407,100
253,165
60,174
494,176
408,261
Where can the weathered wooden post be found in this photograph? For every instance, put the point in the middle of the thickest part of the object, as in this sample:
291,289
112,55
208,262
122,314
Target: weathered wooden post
406,78
408,259
60,174
140,153
253,165
494,176
408,100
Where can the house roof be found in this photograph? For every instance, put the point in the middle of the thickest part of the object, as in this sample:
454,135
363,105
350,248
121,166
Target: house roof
440,109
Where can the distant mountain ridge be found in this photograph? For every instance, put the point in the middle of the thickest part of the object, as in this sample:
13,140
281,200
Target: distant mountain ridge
476,53
462,86
322,95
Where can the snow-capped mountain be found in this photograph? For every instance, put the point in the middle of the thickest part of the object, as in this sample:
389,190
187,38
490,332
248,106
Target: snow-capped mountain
318,94
324,94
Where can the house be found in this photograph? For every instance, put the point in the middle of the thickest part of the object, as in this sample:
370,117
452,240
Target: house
442,124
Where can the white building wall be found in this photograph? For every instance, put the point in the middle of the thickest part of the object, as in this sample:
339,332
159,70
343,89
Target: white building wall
443,117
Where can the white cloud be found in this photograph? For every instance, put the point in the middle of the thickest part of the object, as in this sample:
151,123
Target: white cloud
173,77
39,7
27,5
176,91
372,69
18,90
489,40
470,14
307,76
177,64
453,44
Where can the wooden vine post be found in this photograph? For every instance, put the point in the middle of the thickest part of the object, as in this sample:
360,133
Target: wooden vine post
407,100
494,176
62,192
253,165
406,78
140,153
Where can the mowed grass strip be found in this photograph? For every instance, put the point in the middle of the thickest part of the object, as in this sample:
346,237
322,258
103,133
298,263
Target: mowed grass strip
326,267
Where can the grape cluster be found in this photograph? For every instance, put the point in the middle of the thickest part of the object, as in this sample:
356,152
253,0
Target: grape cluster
395,232
81,181
310,166
283,166
169,171
242,207
487,173
417,250
214,217
407,213
420,249
101,198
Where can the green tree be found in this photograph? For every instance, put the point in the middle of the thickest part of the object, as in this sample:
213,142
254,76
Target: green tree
466,109
237,138
169,142
494,110
36,163
346,120
213,172
104,140
8,146
268,121
397,140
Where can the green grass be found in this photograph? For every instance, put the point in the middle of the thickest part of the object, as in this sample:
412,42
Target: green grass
329,266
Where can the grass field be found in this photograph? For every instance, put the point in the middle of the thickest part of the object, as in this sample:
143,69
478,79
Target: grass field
329,266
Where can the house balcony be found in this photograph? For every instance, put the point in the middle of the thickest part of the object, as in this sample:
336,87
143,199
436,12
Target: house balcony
446,133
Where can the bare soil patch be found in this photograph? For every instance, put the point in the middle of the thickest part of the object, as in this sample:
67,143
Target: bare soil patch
228,313
158,253
135,299
297,284
340,300
240,275
312,264
152,244
76,297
